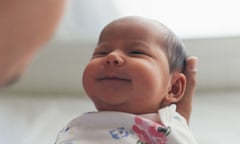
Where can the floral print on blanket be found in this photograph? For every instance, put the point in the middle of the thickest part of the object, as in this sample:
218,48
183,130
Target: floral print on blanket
147,131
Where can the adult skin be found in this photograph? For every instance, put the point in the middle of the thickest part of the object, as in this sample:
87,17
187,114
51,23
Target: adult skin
184,106
25,25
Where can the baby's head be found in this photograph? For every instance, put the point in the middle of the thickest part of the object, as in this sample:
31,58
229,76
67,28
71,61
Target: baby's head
136,67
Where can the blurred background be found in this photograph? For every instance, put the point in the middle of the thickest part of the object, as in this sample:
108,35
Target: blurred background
50,92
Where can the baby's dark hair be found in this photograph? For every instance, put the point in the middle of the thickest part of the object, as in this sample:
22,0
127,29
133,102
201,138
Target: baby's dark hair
172,45
174,48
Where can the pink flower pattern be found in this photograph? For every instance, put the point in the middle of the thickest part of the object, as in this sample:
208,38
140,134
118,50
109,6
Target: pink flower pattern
147,132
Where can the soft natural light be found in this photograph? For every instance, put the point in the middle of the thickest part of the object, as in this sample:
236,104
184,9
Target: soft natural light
84,19
189,18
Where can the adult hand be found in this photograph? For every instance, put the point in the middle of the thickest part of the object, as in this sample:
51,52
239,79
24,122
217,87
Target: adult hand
184,106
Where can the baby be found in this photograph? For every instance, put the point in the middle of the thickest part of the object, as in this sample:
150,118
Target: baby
134,78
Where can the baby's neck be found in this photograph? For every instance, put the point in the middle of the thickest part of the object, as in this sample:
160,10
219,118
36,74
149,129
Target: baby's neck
152,116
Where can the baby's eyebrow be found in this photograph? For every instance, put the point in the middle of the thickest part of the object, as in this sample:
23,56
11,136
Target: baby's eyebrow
139,43
102,45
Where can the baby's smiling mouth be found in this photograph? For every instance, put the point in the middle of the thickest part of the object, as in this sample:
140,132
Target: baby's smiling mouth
113,78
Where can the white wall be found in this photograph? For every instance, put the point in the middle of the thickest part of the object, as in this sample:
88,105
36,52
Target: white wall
218,62
58,67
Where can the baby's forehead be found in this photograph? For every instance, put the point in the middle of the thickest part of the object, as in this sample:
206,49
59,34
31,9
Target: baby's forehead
138,22
134,26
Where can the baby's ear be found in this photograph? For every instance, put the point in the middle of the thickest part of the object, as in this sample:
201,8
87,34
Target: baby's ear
176,88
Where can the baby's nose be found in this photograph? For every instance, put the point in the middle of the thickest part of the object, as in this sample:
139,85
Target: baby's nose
114,59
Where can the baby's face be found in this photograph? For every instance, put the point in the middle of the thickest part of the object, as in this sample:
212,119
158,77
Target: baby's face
129,70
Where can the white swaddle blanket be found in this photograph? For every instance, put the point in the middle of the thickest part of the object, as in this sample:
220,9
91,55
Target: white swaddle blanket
106,127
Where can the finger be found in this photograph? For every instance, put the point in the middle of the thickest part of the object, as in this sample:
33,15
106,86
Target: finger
191,76
191,71
184,106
